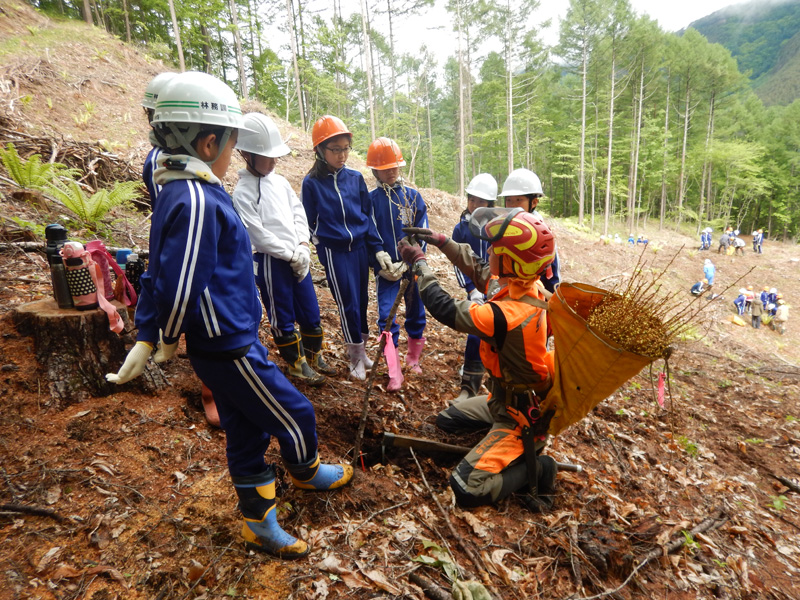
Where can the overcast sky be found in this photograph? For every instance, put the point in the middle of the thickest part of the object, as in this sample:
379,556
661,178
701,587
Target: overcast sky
434,27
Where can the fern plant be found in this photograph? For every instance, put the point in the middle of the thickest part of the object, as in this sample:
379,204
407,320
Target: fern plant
32,173
90,209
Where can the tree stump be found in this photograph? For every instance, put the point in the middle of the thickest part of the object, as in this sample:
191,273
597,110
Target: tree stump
76,349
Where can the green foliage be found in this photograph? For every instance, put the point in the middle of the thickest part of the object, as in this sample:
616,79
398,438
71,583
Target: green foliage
779,502
689,542
89,210
688,446
438,557
37,229
32,173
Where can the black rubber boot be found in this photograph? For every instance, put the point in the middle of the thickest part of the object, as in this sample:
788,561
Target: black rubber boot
546,486
471,379
312,342
260,529
291,350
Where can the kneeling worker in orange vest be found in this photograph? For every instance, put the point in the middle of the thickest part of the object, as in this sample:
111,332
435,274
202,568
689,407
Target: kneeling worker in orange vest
512,327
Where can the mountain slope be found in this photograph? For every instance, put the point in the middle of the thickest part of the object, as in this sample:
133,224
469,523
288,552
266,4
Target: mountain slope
762,36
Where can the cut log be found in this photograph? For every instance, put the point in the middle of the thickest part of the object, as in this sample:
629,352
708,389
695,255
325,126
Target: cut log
76,349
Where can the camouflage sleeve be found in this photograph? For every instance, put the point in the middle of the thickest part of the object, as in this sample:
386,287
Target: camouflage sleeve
474,267
442,306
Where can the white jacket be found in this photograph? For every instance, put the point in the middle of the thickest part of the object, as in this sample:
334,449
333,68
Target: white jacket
272,214
782,313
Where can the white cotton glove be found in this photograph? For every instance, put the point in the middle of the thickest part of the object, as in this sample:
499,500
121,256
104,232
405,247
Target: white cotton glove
390,275
301,261
384,260
165,351
476,297
134,363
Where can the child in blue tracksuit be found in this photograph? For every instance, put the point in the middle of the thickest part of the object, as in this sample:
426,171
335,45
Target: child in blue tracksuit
278,229
481,191
765,297
339,212
709,270
200,283
148,175
740,301
395,206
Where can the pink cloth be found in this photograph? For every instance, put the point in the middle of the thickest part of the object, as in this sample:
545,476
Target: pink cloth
395,372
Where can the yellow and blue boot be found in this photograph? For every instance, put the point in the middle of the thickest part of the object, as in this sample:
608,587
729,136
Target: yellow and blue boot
290,347
312,343
260,528
319,477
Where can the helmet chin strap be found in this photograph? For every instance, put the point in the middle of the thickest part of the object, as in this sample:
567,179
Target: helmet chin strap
186,144
251,165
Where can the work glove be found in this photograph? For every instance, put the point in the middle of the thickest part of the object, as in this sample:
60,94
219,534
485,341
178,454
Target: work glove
399,268
476,297
384,260
426,235
134,363
411,254
301,261
164,351
469,590
390,275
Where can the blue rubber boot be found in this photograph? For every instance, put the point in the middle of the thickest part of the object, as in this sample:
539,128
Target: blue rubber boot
319,477
260,528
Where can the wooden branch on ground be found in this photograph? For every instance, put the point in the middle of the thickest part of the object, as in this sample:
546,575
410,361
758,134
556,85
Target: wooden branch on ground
374,371
432,590
32,510
787,482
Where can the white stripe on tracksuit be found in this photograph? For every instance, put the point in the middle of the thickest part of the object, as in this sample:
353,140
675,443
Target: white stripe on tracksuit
198,202
280,413
337,296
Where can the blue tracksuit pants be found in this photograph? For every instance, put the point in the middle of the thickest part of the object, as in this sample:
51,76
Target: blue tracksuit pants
415,310
347,273
255,402
473,349
287,300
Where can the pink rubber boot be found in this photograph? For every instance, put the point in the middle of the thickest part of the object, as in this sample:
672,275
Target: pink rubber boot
415,347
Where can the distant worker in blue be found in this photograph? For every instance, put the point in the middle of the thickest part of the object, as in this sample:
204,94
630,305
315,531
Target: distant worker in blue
709,270
773,296
699,287
339,213
758,240
394,206
740,301
765,297
631,241
481,192
641,240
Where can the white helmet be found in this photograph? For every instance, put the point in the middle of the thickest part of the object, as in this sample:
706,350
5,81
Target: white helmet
263,138
155,86
483,186
189,101
521,182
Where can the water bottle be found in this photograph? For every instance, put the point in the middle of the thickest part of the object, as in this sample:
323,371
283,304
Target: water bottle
56,237
122,256
134,268
79,278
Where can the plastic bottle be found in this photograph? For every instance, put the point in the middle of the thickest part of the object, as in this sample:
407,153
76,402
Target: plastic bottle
56,236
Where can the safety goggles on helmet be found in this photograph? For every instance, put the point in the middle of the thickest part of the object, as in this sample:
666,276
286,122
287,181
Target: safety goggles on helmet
482,216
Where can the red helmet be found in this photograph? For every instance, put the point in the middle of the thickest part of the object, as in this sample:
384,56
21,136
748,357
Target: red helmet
384,153
527,242
327,127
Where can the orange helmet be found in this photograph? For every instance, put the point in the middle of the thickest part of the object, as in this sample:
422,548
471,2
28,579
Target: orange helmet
750,288
384,153
779,296
327,127
526,241
766,288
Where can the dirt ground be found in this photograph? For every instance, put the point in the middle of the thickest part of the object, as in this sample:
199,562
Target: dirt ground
127,496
